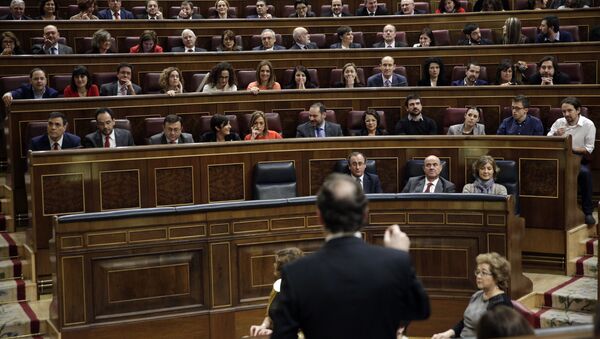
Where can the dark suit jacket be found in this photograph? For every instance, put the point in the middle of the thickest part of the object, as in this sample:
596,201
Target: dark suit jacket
26,92
467,42
559,78
461,82
330,14
311,45
417,11
275,48
144,16
349,289
440,82
371,183
306,130
362,11
338,45
212,137
417,184
563,35
377,80
255,16
10,17
194,17
308,15
111,89
62,49
122,137
181,49
159,138
381,44
42,143
106,14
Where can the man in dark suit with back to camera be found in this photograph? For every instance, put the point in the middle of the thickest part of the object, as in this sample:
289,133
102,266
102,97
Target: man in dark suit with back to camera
56,137
123,85
348,288
550,31
371,8
115,12
357,165
316,126
107,135
387,77
172,132
431,182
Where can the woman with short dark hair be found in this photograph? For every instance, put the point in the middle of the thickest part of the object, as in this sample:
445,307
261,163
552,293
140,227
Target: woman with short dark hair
301,79
81,84
220,130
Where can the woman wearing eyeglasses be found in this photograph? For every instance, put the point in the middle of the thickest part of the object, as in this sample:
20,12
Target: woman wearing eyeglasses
491,276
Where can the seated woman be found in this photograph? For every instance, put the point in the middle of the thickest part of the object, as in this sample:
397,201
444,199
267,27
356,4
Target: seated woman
101,43
485,171
371,124
86,10
349,77
222,7
346,37
266,78
449,6
426,39
220,79
11,44
492,274
282,258
301,79
433,73
148,43
506,75
471,125
47,11
171,81
511,32
228,43
220,130
259,129
81,84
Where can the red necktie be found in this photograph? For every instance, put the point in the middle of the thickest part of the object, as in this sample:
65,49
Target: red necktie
55,147
107,142
118,15
429,185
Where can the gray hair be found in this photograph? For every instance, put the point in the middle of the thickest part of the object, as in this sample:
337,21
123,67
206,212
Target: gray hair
17,2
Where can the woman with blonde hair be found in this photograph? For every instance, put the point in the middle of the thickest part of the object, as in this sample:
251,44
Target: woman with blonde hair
265,78
222,7
259,128
511,32
171,81
485,172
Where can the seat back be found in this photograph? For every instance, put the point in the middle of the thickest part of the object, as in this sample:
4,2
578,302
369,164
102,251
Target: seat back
574,30
59,82
573,70
255,40
455,115
34,129
174,41
458,73
84,44
273,121
10,83
245,77
319,39
150,83
329,116
288,75
529,32
421,6
72,10
215,41
127,43
400,36
194,82
138,10
336,76
102,78
354,122
251,10
274,180
414,168
487,33
442,37
341,166
231,12
152,126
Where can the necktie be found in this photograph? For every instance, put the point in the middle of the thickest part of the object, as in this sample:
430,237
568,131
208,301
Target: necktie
387,83
117,15
390,46
429,186
358,181
320,132
189,50
53,50
123,90
107,142
171,141
371,14
55,147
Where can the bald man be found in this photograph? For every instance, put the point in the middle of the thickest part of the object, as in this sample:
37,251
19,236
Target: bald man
387,77
51,45
431,182
302,39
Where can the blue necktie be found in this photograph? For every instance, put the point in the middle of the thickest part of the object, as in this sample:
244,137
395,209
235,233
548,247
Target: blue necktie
320,132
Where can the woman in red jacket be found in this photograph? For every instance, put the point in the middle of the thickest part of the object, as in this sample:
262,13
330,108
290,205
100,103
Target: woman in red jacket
148,43
81,84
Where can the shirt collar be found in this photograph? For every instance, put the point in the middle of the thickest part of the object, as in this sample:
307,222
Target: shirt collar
332,236
417,118
59,142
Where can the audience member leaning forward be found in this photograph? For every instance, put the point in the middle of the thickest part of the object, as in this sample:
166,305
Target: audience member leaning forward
348,288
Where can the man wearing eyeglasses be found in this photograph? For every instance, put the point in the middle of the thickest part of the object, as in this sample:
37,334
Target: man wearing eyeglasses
521,123
172,132
357,164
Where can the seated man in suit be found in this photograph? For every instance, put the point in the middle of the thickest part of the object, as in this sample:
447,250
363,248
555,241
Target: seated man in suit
107,135
389,38
152,11
262,11
431,182
348,288
187,12
268,39
17,11
301,10
371,9
114,12
550,31
172,132
387,77
415,122
337,10
471,76
189,43
123,85
548,73
407,7
36,89
55,137
302,39
316,127
520,123
473,36
357,164
51,45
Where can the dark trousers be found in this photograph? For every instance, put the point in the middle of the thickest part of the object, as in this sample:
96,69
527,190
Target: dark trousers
584,181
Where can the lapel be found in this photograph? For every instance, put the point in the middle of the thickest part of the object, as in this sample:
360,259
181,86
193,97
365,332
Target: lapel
420,185
439,188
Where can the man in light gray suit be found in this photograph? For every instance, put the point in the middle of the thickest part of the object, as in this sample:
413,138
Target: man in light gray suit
316,126
172,132
51,45
107,135
431,182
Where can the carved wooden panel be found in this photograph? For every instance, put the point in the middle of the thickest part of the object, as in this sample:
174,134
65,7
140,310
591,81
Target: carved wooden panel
73,290
220,274
318,171
387,169
146,282
174,186
120,189
497,243
538,177
425,218
63,193
387,218
226,182
464,218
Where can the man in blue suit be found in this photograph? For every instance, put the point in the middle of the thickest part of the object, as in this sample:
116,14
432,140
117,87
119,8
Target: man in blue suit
114,12
55,137
357,164
37,88
387,77
550,31
471,76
